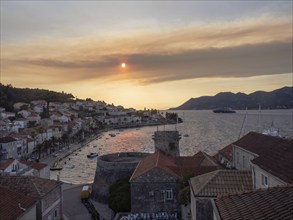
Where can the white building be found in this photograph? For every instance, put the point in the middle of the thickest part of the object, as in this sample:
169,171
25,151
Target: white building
269,158
21,123
122,120
12,147
4,115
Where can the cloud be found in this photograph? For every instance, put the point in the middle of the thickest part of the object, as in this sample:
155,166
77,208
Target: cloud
240,61
235,49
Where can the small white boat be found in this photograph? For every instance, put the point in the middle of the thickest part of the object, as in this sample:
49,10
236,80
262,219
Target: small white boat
95,145
56,167
71,166
92,155
272,131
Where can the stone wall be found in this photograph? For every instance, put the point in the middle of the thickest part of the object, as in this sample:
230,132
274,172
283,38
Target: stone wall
167,141
152,188
112,167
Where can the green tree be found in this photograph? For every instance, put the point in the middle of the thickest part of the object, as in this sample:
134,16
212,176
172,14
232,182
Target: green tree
184,193
119,200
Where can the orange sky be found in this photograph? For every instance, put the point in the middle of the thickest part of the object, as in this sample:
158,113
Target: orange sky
172,53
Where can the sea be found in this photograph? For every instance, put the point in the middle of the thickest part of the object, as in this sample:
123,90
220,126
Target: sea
200,131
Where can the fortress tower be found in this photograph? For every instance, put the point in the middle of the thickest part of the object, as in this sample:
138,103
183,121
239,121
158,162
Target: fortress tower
168,142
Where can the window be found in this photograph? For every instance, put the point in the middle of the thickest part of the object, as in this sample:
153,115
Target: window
172,146
151,193
162,195
264,180
169,194
243,162
56,213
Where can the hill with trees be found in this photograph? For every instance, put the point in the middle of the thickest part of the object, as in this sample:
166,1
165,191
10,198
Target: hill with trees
278,99
10,95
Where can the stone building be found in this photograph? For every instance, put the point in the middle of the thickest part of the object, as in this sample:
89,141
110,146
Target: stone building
167,141
155,180
47,193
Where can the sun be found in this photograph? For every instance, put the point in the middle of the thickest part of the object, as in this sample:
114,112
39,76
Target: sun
123,65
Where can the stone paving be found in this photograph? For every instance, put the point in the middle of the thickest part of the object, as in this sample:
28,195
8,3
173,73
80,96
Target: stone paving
74,209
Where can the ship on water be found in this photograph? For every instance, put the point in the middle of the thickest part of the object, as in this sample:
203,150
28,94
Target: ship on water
224,110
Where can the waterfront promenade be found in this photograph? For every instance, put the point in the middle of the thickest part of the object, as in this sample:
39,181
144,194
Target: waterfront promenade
50,159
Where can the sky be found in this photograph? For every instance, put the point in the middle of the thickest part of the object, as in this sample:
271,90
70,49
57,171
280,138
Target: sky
173,50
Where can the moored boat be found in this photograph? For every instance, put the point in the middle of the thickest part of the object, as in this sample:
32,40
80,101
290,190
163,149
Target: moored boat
92,155
56,167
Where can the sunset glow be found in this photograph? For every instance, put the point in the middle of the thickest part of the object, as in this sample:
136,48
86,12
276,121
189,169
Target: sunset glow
176,50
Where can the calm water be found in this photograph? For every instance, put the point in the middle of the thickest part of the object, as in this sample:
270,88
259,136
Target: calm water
206,131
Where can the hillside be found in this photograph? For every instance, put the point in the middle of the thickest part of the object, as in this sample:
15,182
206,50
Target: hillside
277,99
10,95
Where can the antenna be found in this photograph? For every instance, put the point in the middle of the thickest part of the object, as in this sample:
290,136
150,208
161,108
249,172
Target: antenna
244,122
259,119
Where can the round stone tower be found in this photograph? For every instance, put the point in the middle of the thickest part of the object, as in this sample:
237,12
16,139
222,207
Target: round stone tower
112,167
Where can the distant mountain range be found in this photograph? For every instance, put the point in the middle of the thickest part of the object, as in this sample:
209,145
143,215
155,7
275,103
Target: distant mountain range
277,99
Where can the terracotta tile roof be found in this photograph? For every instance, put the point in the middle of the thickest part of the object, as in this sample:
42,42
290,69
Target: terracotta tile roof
30,140
31,186
221,182
258,143
175,166
34,165
157,159
278,161
5,163
272,203
227,152
9,203
275,155
7,139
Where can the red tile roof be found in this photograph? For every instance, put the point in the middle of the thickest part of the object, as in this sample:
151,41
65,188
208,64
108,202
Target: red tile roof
275,155
175,166
278,161
158,159
34,165
7,139
10,202
221,182
5,163
272,203
258,143
31,186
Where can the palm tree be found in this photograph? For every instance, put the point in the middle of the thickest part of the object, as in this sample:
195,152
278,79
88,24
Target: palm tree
39,149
